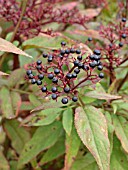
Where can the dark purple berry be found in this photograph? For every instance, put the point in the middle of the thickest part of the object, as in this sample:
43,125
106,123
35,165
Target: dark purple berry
93,64
79,57
44,89
64,100
38,62
97,52
66,89
41,76
56,71
55,80
78,51
38,82
69,75
63,43
74,99
54,96
29,72
50,76
124,36
89,38
45,55
92,57
121,44
30,76
76,70
85,67
72,50
54,89
76,62
80,65
39,67
50,58
60,56
100,67
97,57
67,51
62,52
33,81
101,75
74,75
124,19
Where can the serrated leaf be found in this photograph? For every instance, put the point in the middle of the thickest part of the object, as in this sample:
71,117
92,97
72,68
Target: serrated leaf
9,47
18,135
54,152
6,103
68,120
43,138
4,165
119,160
92,128
72,147
121,130
102,96
87,162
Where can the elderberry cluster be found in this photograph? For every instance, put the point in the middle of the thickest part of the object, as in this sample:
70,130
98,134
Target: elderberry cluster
63,68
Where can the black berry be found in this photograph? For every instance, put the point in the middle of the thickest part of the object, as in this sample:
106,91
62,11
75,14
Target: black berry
64,100
76,62
124,20
54,96
74,75
50,76
85,67
50,58
78,51
79,57
60,56
76,70
41,76
101,75
45,55
56,71
69,75
63,43
100,67
123,36
67,51
29,72
121,44
97,57
72,50
44,89
54,89
33,81
97,52
89,38
39,67
93,64
38,82
30,76
92,57
38,62
80,65
66,89
55,80
74,99
62,52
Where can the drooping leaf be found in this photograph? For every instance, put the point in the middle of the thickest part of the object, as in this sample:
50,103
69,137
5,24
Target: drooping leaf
119,159
121,130
54,152
72,147
104,96
4,165
18,135
68,120
87,162
43,138
45,117
9,47
92,128
6,103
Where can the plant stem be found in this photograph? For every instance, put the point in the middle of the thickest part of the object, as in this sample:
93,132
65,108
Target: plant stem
82,81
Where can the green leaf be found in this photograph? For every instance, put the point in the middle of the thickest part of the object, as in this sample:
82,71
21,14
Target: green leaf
43,138
54,152
92,128
34,100
45,117
121,130
119,160
16,100
6,103
4,165
44,42
72,147
68,120
16,77
87,162
18,135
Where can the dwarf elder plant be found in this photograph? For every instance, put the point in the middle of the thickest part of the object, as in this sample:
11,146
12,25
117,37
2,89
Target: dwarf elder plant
63,85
